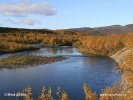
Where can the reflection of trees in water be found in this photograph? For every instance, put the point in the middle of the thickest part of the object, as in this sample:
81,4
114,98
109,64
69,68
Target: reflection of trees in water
88,60
91,59
70,51
9,69
60,51
52,50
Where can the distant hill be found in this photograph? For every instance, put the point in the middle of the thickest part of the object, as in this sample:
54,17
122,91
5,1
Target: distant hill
39,31
105,30
22,30
97,30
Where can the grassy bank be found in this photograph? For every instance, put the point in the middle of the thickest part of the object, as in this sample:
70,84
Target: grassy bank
27,61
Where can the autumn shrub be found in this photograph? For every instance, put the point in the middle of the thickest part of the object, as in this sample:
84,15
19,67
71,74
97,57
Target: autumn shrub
101,45
60,40
13,46
28,92
62,95
89,95
45,94
128,40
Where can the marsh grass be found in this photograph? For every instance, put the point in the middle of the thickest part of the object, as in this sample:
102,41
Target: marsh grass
89,95
8,47
46,94
28,60
14,60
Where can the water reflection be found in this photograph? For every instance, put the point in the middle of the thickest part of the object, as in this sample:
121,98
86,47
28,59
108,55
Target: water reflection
54,51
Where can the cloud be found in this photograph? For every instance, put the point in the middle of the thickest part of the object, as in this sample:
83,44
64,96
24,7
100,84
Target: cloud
21,9
29,21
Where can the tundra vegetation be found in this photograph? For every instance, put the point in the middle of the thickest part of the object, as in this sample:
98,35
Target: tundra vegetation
20,61
105,45
9,47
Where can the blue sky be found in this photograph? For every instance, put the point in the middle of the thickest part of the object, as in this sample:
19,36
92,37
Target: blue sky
61,14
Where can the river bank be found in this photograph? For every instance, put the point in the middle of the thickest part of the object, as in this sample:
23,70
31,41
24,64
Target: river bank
120,55
124,58
24,61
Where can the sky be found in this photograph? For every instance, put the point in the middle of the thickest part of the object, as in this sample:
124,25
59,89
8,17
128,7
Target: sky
63,14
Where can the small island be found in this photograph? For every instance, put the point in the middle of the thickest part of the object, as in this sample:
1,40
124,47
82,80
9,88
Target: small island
24,61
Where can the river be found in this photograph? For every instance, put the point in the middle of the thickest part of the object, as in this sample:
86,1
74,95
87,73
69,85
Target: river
97,72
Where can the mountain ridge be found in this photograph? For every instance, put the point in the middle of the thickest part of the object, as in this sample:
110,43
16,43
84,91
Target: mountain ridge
105,29
113,29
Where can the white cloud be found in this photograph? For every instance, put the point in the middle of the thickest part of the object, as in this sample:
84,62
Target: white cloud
25,8
29,21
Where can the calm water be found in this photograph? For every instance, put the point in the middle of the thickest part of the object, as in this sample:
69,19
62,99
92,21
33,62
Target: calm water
70,74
